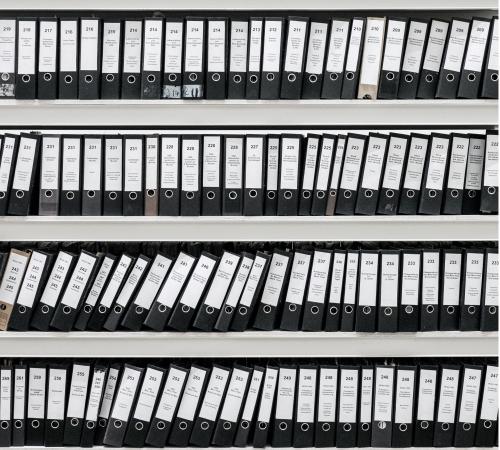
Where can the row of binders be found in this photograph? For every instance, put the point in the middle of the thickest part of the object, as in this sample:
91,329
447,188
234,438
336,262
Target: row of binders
346,404
308,289
252,58
250,174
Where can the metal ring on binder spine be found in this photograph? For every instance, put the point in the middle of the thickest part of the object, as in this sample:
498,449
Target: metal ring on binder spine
304,427
349,76
169,193
270,76
139,309
117,423
366,310
334,76
110,77
210,309
291,77
216,77
54,424
262,425
254,79
494,77
314,309
450,309
424,424
113,195
320,194
445,426
2,194
429,309
233,195
432,193
454,193
389,193
35,424
151,78
193,77
292,307
102,422
389,76
410,193
471,77
70,195
204,426
150,192
252,193
210,195
90,424
162,308
368,193
102,309
450,77
26,78
347,427
492,310
21,309
228,309
183,425
172,77
348,309
487,424
408,77
139,426
283,426
429,78
333,310
226,425
4,424
244,424
132,195
68,79
491,190
185,308
325,427
160,425
19,194
237,79
271,195
87,308
5,76
91,194
267,309
74,422
365,426
471,193
388,311
288,195
382,425
88,79
403,427
313,78
131,79
466,426
306,194
45,309
48,193
47,76
66,310
408,309
118,309
471,309
243,310
347,194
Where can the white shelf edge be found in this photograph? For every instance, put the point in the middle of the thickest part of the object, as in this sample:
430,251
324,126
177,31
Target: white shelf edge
236,228
231,448
244,113
247,344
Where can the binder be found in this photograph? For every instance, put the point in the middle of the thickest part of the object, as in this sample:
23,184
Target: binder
254,58
188,407
248,415
350,290
66,311
465,428
295,55
23,179
270,304
92,176
489,301
19,405
271,58
390,191
473,64
267,396
71,197
294,298
289,163
366,302
335,59
216,58
333,311
185,308
56,403
160,309
52,290
132,58
190,198
94,400
151,176
404,397
232,190
456,174
488,416
172,65
390,76
90,59
47,58
309,174
272,174
410,294
143,408
8,33
436,42
366,203
238,59
152,58
489,87
372,58
353,61
253,200
315,62
111,57
305,408
144,295
8,159
212,303
77,395
474,174
444,431
211,199
431,199
50,163
489,189
133,169
11,283
166,408
323,171
204,423
284,410
429,313
472,285
351,170
449,76
451,282
112,204
106,403
194,58
413,58
122,405
5,413
335,177
69,37
26,67
382,406
35,407
170,174
326,411
364,425
319,279
348,406
388,313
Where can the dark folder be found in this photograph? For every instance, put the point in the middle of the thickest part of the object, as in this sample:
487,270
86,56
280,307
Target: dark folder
26,75
366,299
489,88
472,285
474,174
133,175
348,314
383,397
111,58
92,175
238,59
315,61
271,58
132,59
425,413
309,173
71,179
211,190
454,188
68,58
194,58
216,83
353,61
50,168
489,189
233,169
451,286
152,58
347,427
410,294
489,301
190,185
10,146
173,49
272,175
256,31
254,166
112,203
289,165
323,175
404,398
487,424
89,72
170,176
431,276
47,58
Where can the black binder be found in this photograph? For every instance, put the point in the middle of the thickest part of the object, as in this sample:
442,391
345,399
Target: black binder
472,285
289,166
272,174
366,297
49,175
404,397
350,289
8,67
426,399
211,190
35,424
335,178
487,423
173,49
431,277
489,87
152,58
254,187
71,179
133,175
309,173
451,286
267,400
294,58
364,425
353,61
47,58
410,293
489,189
190,186
315,61
271,58
389,286
69,43
216,58
474,174
10,146
323,175
170,176
92,176
112,203
282,433
383,396
111,58
6,384
305,407
233,170
256,32
89,72
454,190
106,403
333,310
151,174
132,58
56,388
19,421
326,411
489,300
27,58
238,59
194,58
347,427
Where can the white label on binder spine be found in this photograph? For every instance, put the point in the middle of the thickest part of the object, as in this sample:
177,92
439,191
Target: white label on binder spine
233,178
68,46
310,163
173,47
337,277
294,46
491,161
6,159
473,278
213,394
95,394
254,156
382,403
109,393
24,164
99,281
252,395
111,38
116,281
56,279
273,145
133,279
132,46
48,46
253,280
415,164
448,395
78,391
374,161
458,162
394,164
316,48
456,46
71,164
286,394
327,394
153,281
192,393
372,51
267,396
147,396
78,281
324,163
126,394
216,46
471,386
31,281
275,279
437,163
193,49
271,57
169,162
318,279
211,161
7,47
415,43
239,44
435,45
352,164
389,279
56,394
348,398
171,394
151,181
337,46
113,166
222,279
289,163
5,393
89,44
366,396
474,172
491,285
354,45
351,279
36,393
337,162
19,394
306,396
430,278
26,50
153,31
410,281
133,165
92,163
489,405
239,282
176,279
255,50
493,59
368,278
405,384
477,45
394,41
298,278
199,279
452,277
234,395
50,164
426,394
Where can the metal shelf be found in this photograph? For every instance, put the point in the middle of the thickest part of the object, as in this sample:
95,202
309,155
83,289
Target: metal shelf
244,113
230,448
246,344
266,228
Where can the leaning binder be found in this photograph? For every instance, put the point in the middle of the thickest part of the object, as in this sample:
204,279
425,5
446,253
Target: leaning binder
194,59
487,425
489,88
315,61
90,59
8,159
132,57
69,41
323,171
263,422
96,392
271,58
489,301
338,163
106,404
47,58
489,189
353,60
293,68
